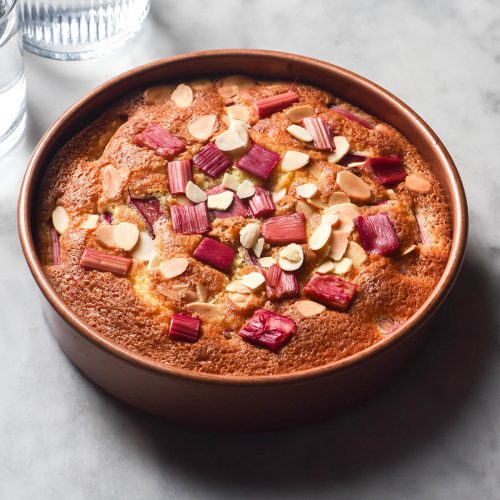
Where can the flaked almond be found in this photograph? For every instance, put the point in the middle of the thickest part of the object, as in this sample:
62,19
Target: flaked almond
353,186
338,197
231,181
258,247
106,235
182,96
202,292
180,287
306,190
299,133
220,201
356,253
111,181
341,149
320,236
346,212
240,299
316,203
253,280
330,219
391,195
60,219
308,308
267,262
202,84
339,244
203,127
90,222
417,184
205,309
154,262
304,208
343,266
298,113
238,112
240,81
291,257
408,250
227,92
246,189
237,286
174,267
234,140
293,160
126,235
195,193
325,267
249,235
316,171
355,164
278,195
158,94
145,249
169,293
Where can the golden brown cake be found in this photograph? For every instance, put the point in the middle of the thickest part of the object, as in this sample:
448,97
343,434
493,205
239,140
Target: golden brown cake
241,227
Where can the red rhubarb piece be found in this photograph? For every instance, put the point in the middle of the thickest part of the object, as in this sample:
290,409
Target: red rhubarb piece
93,260
377,233
184,328
215,254
56,247
212,161
150,209
179,174
162,141
352,117
236,209
270,105
273,275
330,291
259,161
285,229
387,169
108,217
261,203
267,329
351,158
190,219
321,132
280,284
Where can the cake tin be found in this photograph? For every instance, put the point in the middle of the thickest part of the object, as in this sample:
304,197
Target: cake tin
241,402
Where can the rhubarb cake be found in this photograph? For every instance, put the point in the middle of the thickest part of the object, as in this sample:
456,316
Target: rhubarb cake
235,226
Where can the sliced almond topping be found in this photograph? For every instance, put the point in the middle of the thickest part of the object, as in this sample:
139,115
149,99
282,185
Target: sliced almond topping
355,164
60,219
293,160
304,208
320,236
182,96
306,190
356,253
278,195
316,203
145,249
298,113
202,84
408,250
339,244
341,149
174,267
106,234
169,293
158,94
267,262
111,181
220,201
418,184
291,257
308,308
316,171
392,195
203,127
195,193
346,212
353,186
205,309
238,287
338,197
180,287
253,280
240,299
202,292
246,189
231,181
234,140
154,262
238,112
228,92
241,81
90,222
299,133
258,247
126,235
343,266
330,219
325,267
249,235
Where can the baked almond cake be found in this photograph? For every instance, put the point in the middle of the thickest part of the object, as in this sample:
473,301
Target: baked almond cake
242,227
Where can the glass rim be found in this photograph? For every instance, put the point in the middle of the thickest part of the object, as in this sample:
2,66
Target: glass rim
9,11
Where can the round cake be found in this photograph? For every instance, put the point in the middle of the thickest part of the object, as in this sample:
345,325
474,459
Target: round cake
241,227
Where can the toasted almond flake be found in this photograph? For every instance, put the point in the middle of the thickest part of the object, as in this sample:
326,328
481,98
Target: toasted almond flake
90,221
391,195
306,190
174,267
246,189
180,287
190,296
299,133
111,181
346,212
417,184
339,244
202,292
195,193
267,262
203,127
234,140
325,267
293,160
308,308
304,208
205,309
237,286
240,81
106,235
338,197
240,299
231,181
320,236
182,96
220,201
154,262
330,219
298,113
258,247
343,266
253,280
201,84
60,219
158,94
145,249
341,149
238,112
169,293
408,250
227,92
249,235
278,195
353,186
316,203
355,164
126,235
291,257
356,253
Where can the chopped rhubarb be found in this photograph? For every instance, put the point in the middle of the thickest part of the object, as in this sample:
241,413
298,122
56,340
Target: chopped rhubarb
212,161
377,233
215,254
179,173
56,247
285,229
387,169
273,275
267,329
280,284
162,141
190,219
352,117
261,204
259,161
236,209
270,105
321,132
330,291
150,209
184,328
108,217
351,158
93,260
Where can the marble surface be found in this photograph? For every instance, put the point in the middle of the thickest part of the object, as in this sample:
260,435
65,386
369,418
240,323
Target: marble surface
432,433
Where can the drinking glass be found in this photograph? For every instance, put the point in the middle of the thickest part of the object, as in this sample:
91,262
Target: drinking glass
80,29
12,83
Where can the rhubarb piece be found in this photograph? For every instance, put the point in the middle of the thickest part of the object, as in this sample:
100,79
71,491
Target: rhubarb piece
108,217
190,219
162,141
321,133
261,204
285,229
150,209
330,291
351,158
215,254
184,328
56,247
273,275
270,105
259,161
212,161
286,288
267,329
236,209
179,174
387,169
352,117
93,260
377,233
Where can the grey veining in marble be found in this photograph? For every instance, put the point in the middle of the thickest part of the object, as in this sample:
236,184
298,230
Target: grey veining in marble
433,433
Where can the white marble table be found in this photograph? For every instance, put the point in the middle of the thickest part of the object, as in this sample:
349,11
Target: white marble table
433,433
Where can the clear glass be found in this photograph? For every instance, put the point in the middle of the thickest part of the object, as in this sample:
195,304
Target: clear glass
12,83
80,29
